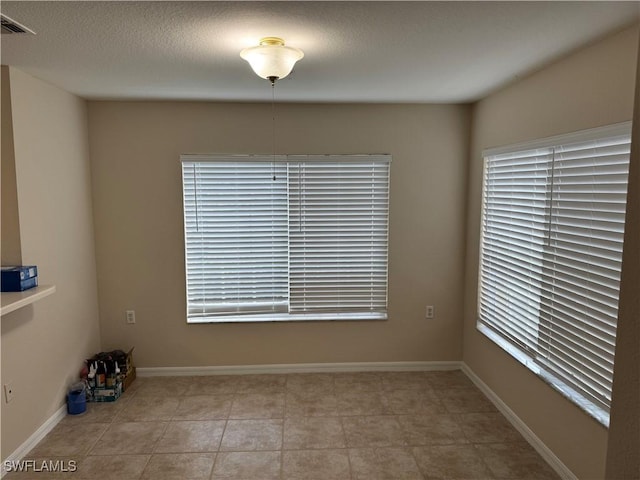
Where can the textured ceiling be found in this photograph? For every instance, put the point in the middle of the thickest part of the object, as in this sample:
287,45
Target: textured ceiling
354,51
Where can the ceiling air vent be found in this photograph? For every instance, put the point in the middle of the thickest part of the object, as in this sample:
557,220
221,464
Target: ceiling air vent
10,26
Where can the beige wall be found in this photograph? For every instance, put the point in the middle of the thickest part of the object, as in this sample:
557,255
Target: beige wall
10,242
590,88
623,452
135,150
43,345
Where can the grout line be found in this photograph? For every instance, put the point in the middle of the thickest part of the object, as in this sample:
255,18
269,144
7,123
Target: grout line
422,474
481,457
284,423
99,437
346,444
224,429
145,466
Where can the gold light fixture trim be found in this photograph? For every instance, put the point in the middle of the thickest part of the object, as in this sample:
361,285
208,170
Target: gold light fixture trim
272,41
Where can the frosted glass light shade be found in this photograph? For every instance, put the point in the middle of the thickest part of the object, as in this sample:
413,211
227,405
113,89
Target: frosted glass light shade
272,59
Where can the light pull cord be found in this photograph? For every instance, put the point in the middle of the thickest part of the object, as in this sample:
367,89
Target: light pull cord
273,126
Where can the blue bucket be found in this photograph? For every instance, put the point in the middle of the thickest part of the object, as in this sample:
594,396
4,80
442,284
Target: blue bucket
77,399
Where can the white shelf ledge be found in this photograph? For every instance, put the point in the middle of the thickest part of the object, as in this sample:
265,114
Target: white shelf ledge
12,301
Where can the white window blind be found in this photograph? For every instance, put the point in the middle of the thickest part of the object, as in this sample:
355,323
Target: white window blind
551,255
514,229
338,236
298,238
236,228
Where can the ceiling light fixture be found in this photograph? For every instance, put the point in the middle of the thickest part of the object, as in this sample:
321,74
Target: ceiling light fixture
272,60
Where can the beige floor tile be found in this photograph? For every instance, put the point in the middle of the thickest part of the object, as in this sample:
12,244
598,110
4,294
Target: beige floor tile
383,464
133,387
247,466
261,383
347,426
405,402
161,387
488,428
204,407
146,409
310,383
451,462
257,405
97,412
431,430
357,382
516,460
183,466
448,379
362,403
465,400
299,404
315,465
129,392
22,475
213,385
129,438
191,436
248,435
405,381
116,467
302,433
374,431
69,440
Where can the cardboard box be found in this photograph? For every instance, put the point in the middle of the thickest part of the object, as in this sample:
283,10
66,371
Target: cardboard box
131,371
125,379
105,394
18,278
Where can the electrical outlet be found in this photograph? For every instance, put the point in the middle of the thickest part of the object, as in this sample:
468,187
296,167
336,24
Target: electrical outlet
8,392
131,316
429,312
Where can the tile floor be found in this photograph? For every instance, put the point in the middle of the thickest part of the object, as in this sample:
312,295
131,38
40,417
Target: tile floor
343,426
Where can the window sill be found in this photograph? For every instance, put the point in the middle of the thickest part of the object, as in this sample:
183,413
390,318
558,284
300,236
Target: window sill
279,317
595,412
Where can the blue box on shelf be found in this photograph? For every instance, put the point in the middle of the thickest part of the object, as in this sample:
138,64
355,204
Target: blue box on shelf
18,278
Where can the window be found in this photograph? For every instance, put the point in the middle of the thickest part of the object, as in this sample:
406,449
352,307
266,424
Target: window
297,237
551,253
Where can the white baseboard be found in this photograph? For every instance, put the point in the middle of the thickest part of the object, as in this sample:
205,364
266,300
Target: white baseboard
544,451
298,368
33,440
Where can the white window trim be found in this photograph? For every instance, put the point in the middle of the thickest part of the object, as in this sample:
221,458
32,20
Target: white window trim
291,317
579,136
